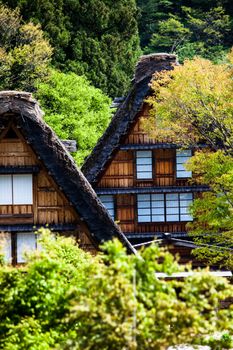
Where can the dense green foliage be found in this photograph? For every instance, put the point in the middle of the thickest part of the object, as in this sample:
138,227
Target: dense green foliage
192,104
98,38
188,28
75,110
24,52
66,298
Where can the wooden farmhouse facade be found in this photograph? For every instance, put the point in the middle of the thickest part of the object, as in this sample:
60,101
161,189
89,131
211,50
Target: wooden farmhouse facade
143,182
40,185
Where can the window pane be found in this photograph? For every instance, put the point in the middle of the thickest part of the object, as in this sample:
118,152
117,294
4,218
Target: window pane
172,197
186,196
143,197
186,217
157,197
144,161
5,189
180,167
22,189
144,154
158,211
158,218
172,217
172,210
144,204
144,175
144,211
183,174
158,204
144,168
172,204
184,210
26,242
185,203
5,245
145,218
184,153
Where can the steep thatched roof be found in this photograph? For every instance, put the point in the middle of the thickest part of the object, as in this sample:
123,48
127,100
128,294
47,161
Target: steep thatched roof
125,115
28,117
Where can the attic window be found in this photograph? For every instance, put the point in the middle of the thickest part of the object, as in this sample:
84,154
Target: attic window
11,134
182,156
144,164
16,189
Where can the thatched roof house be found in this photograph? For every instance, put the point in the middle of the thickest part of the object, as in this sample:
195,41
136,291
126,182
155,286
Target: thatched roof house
126,114
59,195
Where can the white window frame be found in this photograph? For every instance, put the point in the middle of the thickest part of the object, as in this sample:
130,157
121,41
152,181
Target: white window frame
16,189
182,156
144,165
108,202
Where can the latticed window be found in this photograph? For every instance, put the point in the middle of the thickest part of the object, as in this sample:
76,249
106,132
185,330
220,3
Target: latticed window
169,207
182,156
144,164
108,202
150,207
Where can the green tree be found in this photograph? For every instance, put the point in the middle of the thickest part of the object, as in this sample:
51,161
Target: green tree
193,104
66,298
96,38
75,110
151,13
193,33
170,36
25,53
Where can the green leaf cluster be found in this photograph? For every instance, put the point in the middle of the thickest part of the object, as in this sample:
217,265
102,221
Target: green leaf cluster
74,109
24,52
64,298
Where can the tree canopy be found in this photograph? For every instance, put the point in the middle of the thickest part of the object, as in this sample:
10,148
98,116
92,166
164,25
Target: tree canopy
188,28
66,298
96,38
75,110
24,52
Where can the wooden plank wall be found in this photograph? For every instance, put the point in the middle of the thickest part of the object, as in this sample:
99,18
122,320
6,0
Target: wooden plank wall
121,172
50,206
137,134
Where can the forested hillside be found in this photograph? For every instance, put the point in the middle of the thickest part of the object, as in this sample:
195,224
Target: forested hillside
98,38
186,27
46,45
